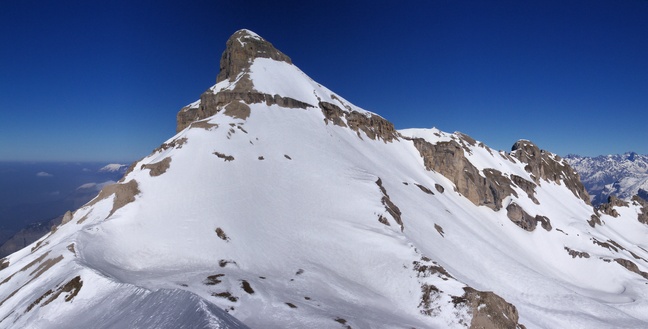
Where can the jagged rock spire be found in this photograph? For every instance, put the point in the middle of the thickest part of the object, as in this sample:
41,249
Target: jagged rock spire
241,49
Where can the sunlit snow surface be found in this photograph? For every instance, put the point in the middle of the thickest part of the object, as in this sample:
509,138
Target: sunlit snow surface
299,206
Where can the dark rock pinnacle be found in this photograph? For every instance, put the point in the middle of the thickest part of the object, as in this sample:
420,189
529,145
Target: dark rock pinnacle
241,49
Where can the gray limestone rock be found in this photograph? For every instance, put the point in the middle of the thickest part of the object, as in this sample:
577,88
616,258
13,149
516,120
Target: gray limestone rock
241,48
525,221
448,159
608,208
489,311
546,166
374,126
643,216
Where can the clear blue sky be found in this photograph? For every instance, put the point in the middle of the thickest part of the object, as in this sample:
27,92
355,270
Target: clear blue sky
90,80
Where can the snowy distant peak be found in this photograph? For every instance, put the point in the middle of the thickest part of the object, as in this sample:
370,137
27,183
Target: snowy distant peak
631,156
113,167
241,49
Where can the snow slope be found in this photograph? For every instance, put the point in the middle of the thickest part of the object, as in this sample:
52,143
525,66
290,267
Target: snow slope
316,218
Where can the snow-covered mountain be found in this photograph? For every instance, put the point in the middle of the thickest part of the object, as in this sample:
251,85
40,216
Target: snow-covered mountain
279,204
621,175
114,167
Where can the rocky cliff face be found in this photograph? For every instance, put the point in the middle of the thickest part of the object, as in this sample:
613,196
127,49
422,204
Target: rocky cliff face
448,158
642,216
487,187
549,167
241,50
374,126
235,91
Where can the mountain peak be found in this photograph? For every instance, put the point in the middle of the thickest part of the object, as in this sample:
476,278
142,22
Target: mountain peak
631,156
241,49
280,204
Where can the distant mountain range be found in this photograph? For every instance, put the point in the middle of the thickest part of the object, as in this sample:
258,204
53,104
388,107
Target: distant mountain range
622,175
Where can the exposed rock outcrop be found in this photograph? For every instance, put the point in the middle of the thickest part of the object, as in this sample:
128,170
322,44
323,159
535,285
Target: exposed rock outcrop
372,125
430,294
241,50
237,109
448,159
526,186
176,143
66,217
424,189
332,113
489,311
631,266
594,219
72,288
608,208
575,253
124,194
643,216
390,207
211,102
158,168
549,167
224,156
221,234
525,221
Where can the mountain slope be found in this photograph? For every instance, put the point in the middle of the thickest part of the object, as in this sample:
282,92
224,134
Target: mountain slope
278,204
621,175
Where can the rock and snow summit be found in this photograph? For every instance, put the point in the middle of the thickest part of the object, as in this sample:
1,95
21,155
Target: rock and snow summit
279,204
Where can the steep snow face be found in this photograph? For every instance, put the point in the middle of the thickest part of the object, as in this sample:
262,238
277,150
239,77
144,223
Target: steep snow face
621,175
321,217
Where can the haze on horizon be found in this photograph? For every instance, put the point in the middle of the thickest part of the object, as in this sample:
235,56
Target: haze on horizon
84,81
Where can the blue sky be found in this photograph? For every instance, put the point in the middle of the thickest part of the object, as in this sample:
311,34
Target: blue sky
103,81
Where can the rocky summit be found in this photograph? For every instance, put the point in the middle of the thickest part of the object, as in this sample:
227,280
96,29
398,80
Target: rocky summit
279,204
